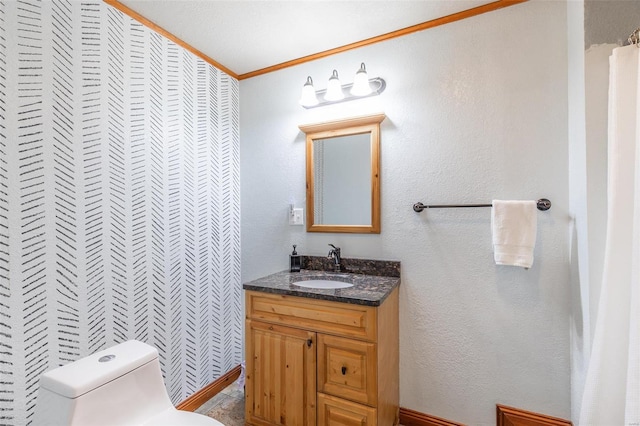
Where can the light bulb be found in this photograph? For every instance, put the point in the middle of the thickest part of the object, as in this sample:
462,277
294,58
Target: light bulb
334,89
361,85
308,97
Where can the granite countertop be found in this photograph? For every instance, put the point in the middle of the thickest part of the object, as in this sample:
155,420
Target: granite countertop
370,290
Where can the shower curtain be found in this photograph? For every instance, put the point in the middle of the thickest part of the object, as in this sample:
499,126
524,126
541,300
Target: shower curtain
612,394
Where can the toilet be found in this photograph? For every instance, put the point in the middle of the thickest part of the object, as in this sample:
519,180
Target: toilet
119,386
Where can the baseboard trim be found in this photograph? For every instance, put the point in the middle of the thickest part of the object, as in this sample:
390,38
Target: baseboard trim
505,416
415,418
212,389
509,416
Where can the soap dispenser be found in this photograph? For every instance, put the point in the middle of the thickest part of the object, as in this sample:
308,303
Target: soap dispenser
295,260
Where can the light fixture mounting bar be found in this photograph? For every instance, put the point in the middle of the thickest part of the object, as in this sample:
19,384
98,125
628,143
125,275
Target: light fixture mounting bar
377,86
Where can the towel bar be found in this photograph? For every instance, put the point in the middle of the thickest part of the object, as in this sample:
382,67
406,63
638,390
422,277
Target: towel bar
543,204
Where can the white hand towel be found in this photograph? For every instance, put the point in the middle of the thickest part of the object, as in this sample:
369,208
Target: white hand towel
514,225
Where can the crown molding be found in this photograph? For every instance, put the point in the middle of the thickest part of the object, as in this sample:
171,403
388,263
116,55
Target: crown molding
458,16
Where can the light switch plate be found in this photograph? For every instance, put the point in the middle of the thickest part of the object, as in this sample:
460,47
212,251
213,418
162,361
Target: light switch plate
297,217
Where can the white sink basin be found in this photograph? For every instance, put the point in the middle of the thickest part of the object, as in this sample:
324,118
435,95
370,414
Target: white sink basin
323,284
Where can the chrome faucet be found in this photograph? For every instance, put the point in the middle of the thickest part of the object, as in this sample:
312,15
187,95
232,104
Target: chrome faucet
334,254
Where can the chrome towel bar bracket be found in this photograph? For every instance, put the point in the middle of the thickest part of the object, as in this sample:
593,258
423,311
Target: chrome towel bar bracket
543,204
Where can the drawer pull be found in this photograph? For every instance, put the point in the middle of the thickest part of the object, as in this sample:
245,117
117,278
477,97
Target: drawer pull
344,370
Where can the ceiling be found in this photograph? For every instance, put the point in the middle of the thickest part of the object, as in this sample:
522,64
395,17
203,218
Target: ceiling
248,35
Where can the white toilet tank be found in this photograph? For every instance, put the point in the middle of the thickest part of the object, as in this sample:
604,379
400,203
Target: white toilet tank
120,386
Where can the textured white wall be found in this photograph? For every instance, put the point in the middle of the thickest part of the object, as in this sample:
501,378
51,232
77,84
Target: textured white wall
580,260
475,110
596,118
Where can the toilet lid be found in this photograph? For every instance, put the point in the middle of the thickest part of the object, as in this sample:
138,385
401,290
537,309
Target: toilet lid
181,418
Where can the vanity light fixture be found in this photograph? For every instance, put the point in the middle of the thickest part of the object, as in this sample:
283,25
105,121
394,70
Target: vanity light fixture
361,87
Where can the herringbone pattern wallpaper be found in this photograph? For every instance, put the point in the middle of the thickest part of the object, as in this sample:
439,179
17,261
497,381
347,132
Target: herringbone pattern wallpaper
119,199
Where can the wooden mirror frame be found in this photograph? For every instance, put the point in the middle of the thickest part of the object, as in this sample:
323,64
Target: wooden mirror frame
350,126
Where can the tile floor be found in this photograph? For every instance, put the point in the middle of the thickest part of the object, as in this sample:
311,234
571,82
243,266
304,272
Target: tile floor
227,407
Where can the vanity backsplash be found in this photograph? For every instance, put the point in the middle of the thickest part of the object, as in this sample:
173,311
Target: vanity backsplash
380,268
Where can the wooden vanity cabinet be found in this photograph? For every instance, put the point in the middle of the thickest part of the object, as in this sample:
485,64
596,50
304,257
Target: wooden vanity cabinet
318,362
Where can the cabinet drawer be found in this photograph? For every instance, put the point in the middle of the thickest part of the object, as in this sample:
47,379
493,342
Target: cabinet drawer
338,412
318,315
347,368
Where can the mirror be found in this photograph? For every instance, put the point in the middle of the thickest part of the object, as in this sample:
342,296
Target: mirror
343,175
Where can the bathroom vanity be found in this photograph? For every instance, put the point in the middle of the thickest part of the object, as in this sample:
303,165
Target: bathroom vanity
322,356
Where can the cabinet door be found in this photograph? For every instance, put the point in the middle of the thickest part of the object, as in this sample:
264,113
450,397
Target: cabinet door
334,411
281,375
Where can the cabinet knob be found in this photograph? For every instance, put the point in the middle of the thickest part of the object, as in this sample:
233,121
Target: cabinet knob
309,342
344,370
